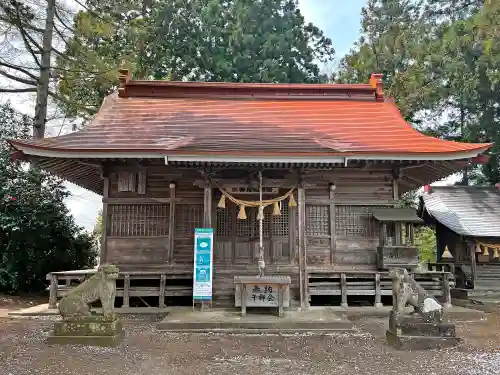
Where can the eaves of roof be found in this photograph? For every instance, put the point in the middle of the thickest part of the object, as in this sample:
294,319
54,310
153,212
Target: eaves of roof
466,210
201,121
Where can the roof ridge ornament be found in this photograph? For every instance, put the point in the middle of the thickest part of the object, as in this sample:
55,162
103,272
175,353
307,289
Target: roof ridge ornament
125,77
378,84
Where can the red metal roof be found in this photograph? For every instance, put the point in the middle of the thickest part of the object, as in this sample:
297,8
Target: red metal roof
250,119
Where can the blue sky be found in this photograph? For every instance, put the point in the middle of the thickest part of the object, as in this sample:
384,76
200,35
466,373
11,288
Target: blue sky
339,19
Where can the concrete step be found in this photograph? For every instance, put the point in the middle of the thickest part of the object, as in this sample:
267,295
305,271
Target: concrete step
231,321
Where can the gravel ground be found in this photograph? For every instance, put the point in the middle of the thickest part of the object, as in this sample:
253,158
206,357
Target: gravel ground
146,351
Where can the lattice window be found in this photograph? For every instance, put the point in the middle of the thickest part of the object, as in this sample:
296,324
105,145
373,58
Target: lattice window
280,223
225,221
317,220
355,221
187,218
138,220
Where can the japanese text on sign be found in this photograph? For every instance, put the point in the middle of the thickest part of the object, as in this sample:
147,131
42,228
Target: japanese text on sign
262,295
203,268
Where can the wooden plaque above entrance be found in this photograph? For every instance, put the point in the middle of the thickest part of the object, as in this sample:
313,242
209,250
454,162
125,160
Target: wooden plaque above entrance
266,184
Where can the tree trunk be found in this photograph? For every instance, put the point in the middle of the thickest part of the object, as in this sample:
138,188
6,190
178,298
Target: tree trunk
465,177
44,80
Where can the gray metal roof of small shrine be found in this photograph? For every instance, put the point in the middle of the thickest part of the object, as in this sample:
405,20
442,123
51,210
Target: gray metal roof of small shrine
406,215
466,210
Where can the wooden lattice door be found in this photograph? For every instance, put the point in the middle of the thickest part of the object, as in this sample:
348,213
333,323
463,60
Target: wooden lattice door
238,240
247,240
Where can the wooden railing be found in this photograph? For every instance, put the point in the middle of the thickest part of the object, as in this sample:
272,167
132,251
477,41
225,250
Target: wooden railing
125,285
320,283
442,267
374,283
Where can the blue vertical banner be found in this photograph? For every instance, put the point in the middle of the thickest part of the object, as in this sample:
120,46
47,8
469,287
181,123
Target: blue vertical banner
203,260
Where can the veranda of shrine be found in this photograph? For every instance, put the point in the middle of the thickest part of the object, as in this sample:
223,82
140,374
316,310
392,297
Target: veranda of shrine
333,159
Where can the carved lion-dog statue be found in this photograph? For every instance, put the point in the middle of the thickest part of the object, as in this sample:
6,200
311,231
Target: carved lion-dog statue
101,286
405,290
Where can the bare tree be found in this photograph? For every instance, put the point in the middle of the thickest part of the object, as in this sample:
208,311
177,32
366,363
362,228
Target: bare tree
32,34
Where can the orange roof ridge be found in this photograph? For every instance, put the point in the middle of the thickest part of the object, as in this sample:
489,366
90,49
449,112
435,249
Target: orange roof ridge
372,91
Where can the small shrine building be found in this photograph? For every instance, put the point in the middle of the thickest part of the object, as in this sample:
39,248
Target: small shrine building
326,162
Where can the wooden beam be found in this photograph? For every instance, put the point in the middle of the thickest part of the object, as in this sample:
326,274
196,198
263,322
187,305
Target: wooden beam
343,290
266,182
333,238
161,298
379,202
171,225
396,177
126,290
207,204
472,260
292,233
104,223
378,292
303,279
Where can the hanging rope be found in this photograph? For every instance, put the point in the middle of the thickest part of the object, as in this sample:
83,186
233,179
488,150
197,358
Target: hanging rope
261,204
261,263
481,245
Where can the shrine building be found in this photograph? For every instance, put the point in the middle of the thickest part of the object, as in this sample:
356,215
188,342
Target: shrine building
326,162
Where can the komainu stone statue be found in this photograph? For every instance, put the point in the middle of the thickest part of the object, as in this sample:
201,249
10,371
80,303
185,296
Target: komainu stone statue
405,290
101,286
78,325
424,329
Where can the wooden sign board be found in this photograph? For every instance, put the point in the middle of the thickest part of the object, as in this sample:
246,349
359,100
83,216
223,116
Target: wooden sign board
257,286
262,295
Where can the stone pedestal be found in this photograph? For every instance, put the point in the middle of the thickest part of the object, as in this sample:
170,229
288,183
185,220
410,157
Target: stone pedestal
89,331
413,333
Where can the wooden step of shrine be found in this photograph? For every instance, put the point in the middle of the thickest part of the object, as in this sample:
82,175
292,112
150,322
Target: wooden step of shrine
231,321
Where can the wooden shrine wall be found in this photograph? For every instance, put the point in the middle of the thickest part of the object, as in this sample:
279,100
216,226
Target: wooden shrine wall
154,224
340,229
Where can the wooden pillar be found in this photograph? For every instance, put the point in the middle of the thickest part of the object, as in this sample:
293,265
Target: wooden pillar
171,225
408,234
104,221
398,235
333,240
303,279
207,204
161,297
395,184
292,233
383,234
343,290
473,261
126,290
378,291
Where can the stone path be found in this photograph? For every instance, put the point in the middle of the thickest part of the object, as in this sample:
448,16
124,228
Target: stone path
147,351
